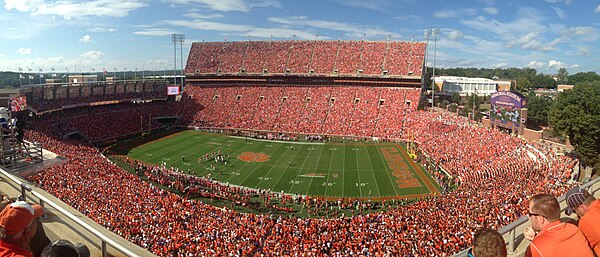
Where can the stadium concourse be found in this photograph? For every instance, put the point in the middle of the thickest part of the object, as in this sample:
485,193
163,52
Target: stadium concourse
496,172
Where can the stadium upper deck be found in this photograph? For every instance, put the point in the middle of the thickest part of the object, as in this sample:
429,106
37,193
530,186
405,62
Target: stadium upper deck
347,58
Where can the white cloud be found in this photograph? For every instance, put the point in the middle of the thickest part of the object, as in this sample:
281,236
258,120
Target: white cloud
374,5
555,65
560,13
24,50
559,1
575,66
68,9
455,35
349,29
584,51
455,13
528,20
530,41
99,29
22,5
208,25
536,64
490,10
92,55
203,17
228,5
410,18
90,58
281,33
85,39
597,9
500,65
154,32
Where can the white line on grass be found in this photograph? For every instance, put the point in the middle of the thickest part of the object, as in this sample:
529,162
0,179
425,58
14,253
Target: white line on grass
278,141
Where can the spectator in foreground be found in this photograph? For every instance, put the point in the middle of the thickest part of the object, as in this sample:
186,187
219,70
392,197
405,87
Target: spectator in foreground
488,243
549,236
18,225
64,248
587,208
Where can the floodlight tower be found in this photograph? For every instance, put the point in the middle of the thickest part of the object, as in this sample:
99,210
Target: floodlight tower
428,33
176,38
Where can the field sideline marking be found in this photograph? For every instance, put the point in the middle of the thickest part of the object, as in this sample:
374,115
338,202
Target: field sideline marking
430,186
279,141
387,169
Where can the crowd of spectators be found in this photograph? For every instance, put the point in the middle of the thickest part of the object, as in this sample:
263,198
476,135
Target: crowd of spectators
355,111
495,174
110,121
300,57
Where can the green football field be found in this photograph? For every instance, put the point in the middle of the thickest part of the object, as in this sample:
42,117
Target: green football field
349,170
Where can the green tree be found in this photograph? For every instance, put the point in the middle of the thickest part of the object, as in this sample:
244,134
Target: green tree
576,113
537,110
543,81
563,75
524,83
455,98
583,77
473,103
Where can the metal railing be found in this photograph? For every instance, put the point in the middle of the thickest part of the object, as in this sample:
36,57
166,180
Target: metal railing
509,231
43,201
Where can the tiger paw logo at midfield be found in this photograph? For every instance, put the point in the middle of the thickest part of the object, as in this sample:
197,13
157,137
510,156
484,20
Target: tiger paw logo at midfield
254,157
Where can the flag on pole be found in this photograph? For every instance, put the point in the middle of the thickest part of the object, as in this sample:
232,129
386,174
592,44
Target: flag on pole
20,69
21,76
54,75
40,69
30,77
52,69
105,71
41,75
93,69
28,68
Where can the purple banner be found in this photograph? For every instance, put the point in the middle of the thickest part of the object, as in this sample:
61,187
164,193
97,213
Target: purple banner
508,99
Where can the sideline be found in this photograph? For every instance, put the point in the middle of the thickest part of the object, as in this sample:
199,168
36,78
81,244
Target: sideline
432,189
279,141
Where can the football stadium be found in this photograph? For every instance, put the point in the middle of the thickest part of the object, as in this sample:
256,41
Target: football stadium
273,148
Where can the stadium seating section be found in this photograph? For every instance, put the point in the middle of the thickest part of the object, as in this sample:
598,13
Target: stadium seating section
352,111
307,57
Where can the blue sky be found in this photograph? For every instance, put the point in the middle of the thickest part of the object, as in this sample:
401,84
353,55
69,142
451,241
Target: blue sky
136,34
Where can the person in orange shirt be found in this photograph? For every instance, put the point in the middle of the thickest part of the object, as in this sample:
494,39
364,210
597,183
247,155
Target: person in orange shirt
18,225
587,208
549,236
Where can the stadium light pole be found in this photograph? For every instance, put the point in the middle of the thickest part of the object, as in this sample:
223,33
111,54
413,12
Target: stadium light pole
434,33
181,59
176,38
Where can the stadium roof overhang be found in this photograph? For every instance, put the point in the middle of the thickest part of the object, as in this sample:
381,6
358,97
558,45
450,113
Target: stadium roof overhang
211,79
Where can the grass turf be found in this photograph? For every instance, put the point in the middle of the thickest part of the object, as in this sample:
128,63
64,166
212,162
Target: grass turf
333,170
